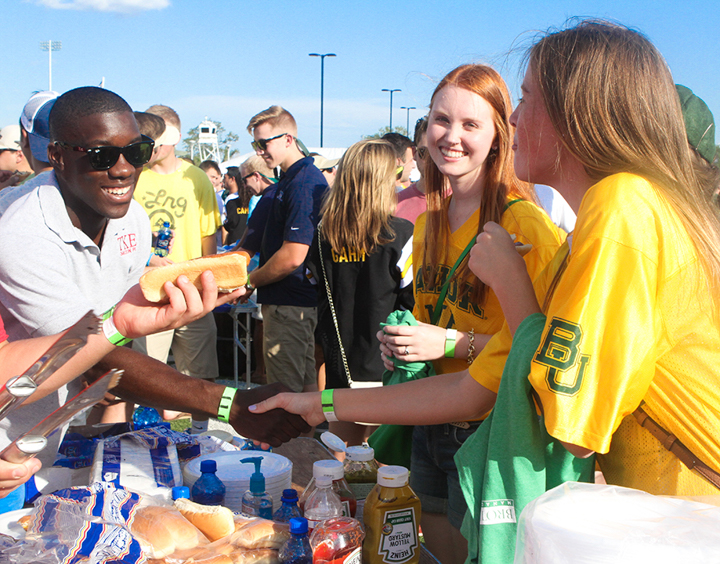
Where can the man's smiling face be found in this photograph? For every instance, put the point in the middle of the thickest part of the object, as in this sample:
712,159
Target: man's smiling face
97,193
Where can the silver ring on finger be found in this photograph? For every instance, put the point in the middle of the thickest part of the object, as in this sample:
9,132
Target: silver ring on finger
407,350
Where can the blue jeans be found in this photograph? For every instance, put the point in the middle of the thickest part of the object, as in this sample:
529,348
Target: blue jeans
433,475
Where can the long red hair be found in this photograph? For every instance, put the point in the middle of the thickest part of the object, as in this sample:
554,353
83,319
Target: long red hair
500,180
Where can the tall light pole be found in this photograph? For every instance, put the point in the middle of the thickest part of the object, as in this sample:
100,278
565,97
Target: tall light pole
391,93
50,46
408,108
322,86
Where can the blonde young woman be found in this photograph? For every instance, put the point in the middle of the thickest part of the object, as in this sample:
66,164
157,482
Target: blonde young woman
469,139
365,255
637,292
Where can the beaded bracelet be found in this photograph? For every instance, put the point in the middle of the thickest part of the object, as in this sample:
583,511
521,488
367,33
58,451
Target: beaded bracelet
471,346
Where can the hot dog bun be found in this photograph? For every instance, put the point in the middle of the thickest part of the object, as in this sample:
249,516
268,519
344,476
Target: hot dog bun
162,530
214,521
229,269
255,532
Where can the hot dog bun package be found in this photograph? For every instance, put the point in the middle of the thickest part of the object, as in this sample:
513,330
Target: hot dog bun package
81,524
603,524
150,461
229,269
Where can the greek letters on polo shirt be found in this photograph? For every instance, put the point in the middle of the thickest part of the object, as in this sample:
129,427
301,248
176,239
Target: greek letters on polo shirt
293,217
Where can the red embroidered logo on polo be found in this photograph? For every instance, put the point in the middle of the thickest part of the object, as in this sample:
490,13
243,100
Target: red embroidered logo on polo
127,243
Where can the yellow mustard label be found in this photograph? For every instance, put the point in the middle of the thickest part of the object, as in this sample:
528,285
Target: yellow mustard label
398,539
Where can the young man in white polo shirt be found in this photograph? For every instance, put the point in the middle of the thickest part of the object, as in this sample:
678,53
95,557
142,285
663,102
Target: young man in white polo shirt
78,242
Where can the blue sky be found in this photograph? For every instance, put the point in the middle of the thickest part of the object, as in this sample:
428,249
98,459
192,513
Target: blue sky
229,59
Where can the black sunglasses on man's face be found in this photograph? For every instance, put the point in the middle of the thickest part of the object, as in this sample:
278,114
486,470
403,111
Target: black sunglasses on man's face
261,144
104,158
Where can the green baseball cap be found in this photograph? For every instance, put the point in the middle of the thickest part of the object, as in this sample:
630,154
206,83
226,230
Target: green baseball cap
699,123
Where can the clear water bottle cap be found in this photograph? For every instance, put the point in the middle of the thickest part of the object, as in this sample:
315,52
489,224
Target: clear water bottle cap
166,224
323,481
393,476
298,526
208,466
360,453
332,468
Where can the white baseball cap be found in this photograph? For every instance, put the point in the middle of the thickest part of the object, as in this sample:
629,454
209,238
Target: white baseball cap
10,138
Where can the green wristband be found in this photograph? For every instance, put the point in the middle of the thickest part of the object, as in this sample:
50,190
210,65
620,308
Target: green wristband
450,340
226,402
110,331
326,398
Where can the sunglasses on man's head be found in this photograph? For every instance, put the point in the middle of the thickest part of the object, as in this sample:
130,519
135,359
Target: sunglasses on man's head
261,144
104,158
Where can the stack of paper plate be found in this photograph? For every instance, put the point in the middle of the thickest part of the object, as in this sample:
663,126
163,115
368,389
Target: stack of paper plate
236,475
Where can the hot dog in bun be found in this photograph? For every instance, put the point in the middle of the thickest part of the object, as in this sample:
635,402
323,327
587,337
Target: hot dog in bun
229,269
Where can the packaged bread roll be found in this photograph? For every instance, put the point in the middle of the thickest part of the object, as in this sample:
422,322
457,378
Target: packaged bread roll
161,531
255,532
258,556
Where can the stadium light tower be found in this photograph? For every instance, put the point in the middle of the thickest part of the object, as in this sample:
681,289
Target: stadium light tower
50,46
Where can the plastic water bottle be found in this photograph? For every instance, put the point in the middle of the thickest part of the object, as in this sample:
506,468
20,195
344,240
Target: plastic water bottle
323,503
162,245
145,417
297,549
208,489
289,507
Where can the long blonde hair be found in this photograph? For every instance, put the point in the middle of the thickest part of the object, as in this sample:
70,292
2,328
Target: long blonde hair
500,181
356,212
612,101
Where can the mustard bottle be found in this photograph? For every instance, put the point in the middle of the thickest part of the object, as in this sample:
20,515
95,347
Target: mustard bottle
391,516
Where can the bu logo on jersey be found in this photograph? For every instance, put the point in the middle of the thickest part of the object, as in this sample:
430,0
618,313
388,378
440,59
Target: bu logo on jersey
559,352
127,243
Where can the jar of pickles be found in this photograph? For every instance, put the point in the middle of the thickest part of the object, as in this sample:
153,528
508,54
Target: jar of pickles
360,472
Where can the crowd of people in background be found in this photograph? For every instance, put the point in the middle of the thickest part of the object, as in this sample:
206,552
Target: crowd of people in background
611,195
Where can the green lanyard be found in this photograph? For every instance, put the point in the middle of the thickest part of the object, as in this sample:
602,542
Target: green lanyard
443,291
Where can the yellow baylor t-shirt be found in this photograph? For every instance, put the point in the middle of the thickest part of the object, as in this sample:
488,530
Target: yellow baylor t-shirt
631,321
528,222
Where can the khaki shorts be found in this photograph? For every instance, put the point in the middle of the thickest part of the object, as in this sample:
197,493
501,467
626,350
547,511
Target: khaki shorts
193,347
289,345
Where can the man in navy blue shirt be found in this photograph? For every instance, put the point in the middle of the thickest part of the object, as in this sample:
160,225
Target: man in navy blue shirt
288,298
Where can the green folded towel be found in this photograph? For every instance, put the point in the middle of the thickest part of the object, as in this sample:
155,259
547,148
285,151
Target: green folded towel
393,443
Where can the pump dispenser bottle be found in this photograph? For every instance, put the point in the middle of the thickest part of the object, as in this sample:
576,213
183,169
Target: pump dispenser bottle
256,501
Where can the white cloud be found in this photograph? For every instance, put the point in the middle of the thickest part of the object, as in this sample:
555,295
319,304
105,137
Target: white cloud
122,6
